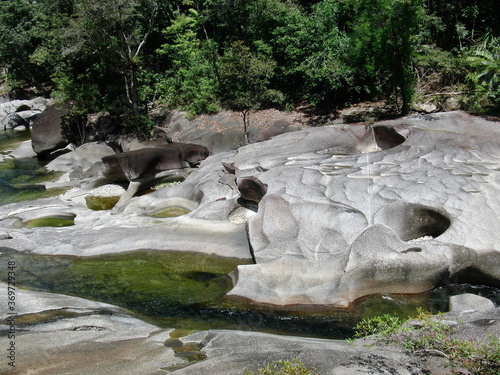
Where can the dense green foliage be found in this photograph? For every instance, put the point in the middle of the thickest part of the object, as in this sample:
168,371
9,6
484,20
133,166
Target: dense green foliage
206,55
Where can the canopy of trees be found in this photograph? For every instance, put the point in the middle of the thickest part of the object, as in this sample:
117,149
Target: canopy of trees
207,55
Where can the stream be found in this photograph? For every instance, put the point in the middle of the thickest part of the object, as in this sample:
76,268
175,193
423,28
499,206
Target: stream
181,290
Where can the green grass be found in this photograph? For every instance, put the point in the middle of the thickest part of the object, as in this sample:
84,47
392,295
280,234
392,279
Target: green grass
294,367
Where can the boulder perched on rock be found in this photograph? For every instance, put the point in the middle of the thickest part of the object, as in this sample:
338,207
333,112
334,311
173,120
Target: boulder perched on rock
330,213
132,165
142,167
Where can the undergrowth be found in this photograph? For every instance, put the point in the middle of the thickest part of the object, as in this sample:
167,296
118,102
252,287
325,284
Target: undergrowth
428,334
295,367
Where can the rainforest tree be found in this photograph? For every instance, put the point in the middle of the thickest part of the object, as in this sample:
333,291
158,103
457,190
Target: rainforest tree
206,55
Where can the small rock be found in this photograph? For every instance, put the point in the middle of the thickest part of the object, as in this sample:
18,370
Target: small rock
25,150
451,104
467,302
425,107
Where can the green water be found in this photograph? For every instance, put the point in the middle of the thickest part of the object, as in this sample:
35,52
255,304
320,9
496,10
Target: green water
183,290
187,291
9,139
171,289
19,177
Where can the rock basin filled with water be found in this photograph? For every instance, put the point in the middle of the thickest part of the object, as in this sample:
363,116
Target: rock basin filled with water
304,234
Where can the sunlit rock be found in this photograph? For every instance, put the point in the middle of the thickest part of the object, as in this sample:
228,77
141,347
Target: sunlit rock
328,214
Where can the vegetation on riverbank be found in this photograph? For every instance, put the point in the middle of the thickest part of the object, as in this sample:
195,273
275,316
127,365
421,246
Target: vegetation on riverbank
205,55
295,367
428,334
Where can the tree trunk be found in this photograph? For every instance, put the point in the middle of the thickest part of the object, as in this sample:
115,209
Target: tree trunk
246,124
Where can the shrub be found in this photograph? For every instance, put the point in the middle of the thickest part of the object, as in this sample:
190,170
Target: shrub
295,367
484,77
430,334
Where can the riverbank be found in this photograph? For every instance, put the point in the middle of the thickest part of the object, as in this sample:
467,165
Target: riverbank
333,218
53,334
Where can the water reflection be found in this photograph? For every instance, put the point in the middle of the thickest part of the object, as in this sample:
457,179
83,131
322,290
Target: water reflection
187,291
171,289
19,178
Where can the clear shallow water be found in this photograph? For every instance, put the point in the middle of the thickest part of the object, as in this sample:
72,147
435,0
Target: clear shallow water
185,291
9,139
171,289
19,177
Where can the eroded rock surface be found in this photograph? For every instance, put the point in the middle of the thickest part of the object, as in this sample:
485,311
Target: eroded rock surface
231,352
344,217
329,214
58,334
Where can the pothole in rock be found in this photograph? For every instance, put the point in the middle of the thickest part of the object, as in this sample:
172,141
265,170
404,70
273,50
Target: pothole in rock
412,222
173,207
97,203
51,221
173,211
104,197
240,215
386,137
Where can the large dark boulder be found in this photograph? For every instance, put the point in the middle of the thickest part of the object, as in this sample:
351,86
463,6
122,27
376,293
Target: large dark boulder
133,165
47,133
142,168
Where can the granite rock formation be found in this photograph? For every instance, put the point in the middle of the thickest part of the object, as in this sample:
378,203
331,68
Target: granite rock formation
328,214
